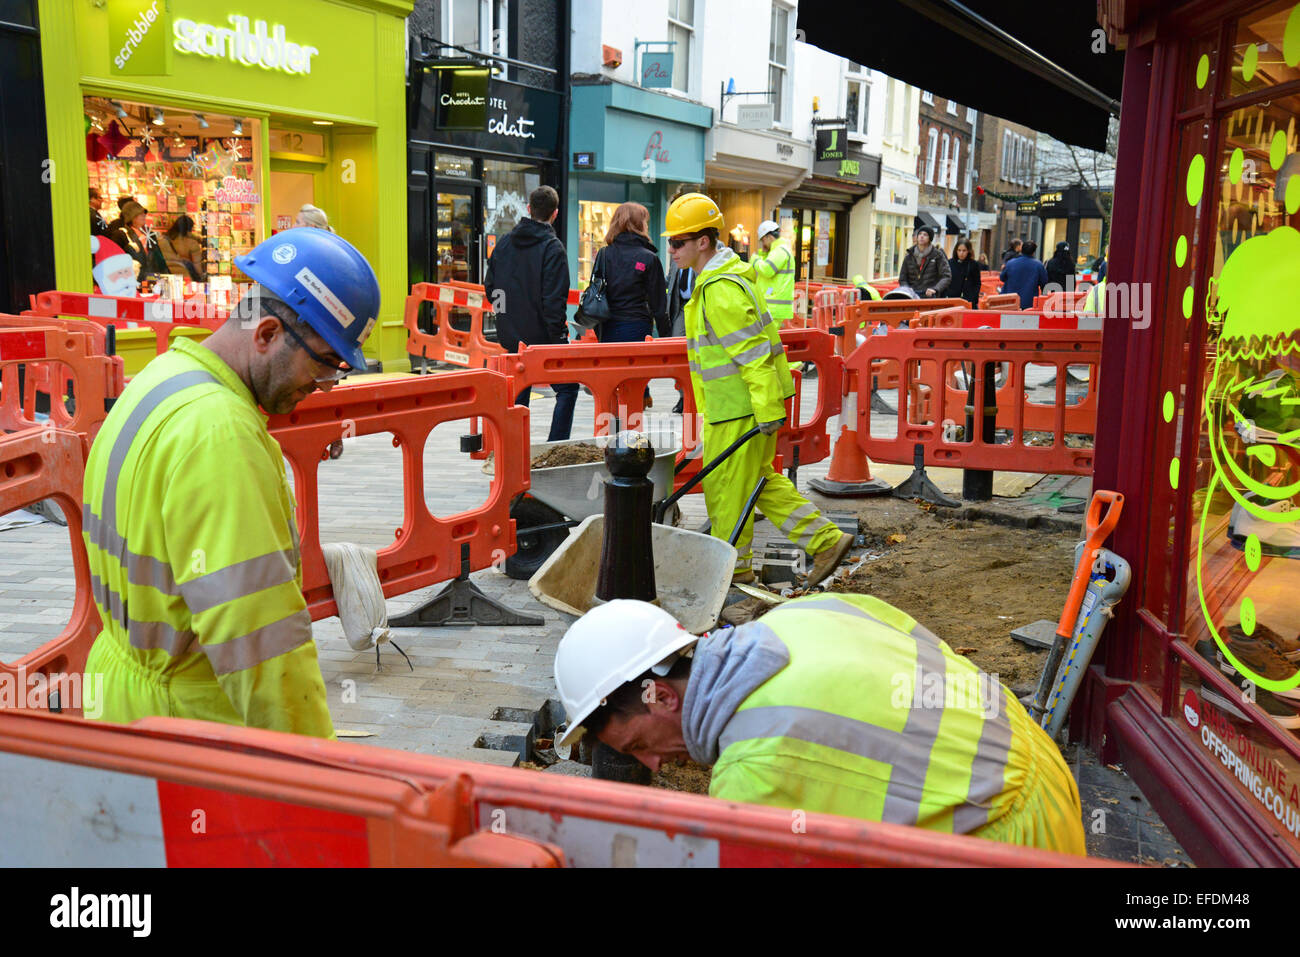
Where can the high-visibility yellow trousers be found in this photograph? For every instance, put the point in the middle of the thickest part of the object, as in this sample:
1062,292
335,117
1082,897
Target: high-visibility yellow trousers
729,486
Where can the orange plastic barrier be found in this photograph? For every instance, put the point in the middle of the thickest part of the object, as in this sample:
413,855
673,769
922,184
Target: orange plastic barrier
427,549
617,374
925,354
36,464
830,305
1061,303
275,799
163,316
999,301
58,363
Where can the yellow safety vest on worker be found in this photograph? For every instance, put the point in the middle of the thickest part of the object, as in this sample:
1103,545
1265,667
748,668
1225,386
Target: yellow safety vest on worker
773,273
194,560
877,718
737,362
1095,300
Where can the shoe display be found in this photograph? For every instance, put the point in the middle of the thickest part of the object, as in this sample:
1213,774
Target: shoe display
1287,647
1276,539
825,562
1282,707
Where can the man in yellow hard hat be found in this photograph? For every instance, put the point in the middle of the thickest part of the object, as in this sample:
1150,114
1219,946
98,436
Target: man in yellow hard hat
740,379
773,272
834,703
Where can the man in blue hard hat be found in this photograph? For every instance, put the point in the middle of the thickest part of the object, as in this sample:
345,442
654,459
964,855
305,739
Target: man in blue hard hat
189,520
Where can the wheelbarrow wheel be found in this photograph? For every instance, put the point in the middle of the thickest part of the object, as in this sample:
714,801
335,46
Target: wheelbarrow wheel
533,549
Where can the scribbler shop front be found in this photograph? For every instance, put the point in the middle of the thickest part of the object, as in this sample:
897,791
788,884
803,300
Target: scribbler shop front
233,117
1199,693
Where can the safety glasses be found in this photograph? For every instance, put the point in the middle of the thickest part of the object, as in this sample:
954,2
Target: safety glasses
677,242
336,372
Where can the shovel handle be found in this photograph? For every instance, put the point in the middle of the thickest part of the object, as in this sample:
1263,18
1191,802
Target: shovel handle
1098,527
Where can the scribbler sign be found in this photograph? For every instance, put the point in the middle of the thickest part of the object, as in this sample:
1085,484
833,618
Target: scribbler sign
139,32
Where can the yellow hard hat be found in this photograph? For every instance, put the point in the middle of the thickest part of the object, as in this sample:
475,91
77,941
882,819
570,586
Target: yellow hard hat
691,213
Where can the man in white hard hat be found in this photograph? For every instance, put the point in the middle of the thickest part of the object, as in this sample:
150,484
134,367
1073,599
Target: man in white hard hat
832,703
773,272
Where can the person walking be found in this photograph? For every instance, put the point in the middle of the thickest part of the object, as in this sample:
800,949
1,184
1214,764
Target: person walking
966,271
1012,250
188,517
1024,274
741,380
831,703
1060,266
527,284
182,252
925,267
634,277
773,272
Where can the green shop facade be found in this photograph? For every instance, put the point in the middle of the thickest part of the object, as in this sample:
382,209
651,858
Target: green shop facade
627,145
235,114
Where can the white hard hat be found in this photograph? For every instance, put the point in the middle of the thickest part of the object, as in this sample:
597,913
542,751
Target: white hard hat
768,226
608,647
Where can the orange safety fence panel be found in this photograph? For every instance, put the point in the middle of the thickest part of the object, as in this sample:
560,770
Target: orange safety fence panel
278,799
162,316
1065,301
923,355
61,364
1002,300
427,549
36,464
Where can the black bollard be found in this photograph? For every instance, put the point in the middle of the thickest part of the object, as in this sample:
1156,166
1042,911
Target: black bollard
626,563
627,559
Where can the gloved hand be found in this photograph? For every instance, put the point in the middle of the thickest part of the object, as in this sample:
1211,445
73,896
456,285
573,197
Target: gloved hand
771,428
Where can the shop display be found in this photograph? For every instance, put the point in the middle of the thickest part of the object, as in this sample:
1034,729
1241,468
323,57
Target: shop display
593,222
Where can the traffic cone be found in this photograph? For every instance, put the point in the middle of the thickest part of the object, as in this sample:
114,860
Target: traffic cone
849,475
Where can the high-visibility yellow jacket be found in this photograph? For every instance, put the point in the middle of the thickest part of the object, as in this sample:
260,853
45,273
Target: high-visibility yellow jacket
738,365
193,550
1095,300
876,718
773,273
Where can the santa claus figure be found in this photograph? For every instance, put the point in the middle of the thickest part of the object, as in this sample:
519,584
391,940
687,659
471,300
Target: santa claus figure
114,270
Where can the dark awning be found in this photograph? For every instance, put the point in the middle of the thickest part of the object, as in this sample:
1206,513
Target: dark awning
925,219
955,225
1005,57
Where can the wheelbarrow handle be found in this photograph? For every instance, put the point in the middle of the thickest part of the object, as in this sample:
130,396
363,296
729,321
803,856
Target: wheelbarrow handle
662,508
749,507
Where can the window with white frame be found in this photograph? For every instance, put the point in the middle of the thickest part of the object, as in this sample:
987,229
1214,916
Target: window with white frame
943,160
1005,166
778,60
970,115
955,165
890,113
952,107
856,98
681,29
931,152
927,98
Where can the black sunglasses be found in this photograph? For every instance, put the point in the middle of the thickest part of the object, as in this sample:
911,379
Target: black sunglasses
677,242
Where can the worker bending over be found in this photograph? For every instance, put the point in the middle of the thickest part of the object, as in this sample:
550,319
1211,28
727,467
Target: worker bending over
189,520
740,378
773,272
838,704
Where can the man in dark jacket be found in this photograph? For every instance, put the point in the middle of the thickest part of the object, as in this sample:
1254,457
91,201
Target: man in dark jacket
1060,267
925,267
1012,251
527,284
1024,275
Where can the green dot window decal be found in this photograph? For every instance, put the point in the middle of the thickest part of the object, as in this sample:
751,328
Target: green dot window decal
1169,407
1173,473
1195,179
1247,505
1235,165
1291,38
1249,62
1254,552
1248,615
1180,252
1277,150
1292,198
1202,71
1188,297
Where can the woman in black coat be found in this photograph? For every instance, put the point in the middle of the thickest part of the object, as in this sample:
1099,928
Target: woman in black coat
1060,266
966,271
634,277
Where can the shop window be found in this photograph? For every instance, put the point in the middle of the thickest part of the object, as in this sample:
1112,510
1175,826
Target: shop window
594,218
1258,59
198,177
681,29
506,188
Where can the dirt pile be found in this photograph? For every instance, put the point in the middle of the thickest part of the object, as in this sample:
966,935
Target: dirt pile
568,455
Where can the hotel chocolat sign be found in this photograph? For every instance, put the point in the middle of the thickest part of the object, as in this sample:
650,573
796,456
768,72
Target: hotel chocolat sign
516,119
462,99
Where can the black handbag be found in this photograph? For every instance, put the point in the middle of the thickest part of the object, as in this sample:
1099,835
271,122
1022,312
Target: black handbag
593,307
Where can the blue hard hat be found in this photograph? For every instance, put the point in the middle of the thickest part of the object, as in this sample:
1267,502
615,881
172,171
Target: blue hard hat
323,278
